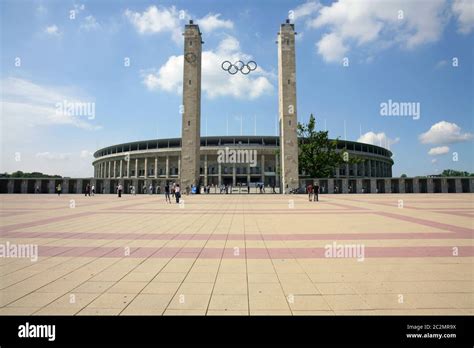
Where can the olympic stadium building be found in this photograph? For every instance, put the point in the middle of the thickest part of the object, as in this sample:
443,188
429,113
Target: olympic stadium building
158,161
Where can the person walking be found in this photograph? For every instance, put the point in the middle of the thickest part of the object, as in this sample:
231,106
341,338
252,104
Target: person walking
316,193
119,190
93,190
150,189
309,189
177,193
167,193
58,189
88,190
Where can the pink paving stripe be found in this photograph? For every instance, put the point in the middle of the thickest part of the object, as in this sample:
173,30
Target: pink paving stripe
452,228
250,253
230,237
43,222
457,213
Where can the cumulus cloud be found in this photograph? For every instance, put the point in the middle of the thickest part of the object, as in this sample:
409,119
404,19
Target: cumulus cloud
156,20
304,10
162,19
331,47
27,104
212,22
464,11
215,81
444,133
356,23
379,139
440,150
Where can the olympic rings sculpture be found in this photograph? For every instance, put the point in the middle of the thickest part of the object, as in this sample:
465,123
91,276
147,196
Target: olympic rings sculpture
238,66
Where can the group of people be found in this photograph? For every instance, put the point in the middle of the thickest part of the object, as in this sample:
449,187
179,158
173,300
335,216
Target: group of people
313,192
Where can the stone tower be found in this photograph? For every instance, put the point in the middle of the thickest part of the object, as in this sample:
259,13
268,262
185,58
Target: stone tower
287,106
191,126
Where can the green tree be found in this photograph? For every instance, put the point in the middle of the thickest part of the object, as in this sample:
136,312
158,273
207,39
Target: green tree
452,172
403,176
318,155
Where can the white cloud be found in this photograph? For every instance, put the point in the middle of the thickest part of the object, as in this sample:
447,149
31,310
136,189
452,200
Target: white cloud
52,30
304,10
212,22
379,139
464,11
215,81
169,20
434,160
356,23
440,150
157,20
331,47
444,133
89,24
26,106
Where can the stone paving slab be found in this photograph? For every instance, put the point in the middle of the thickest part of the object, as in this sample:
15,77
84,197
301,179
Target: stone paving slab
237,255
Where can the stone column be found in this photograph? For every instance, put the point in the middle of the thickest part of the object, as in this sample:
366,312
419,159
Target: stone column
79,186
146,167
136,169
179,169
355,168
388,186
51,186
262,162
234,179
430,185
248,174
373,186
24,186
219,171
401,185
369,169
205,170
120,168
167,167
416,185
115,169
65,186
347,170
444,185
458,185
330,186
277,171
359,185
156,167
345,184
109,165
106,186
11,186
128,166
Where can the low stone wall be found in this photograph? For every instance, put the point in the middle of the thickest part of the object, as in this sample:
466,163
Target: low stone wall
332,186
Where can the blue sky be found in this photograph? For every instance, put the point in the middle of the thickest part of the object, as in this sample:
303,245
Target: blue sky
351,57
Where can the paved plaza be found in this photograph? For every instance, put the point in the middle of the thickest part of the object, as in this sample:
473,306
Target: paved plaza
238,254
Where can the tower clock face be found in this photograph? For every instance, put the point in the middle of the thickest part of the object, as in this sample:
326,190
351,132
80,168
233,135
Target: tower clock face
190,57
